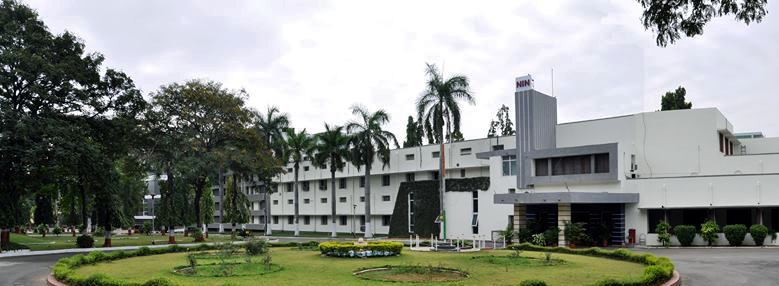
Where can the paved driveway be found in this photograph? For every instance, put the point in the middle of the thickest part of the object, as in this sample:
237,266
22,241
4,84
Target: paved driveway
27,271
724,266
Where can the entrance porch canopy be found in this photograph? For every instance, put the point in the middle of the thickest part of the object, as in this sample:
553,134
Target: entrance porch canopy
566,198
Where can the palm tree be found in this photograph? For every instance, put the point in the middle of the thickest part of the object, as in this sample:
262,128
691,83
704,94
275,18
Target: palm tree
272,126
437,107
332,151
368,141
298,145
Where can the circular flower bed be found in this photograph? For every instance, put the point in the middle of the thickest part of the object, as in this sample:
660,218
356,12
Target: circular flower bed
369,249
411,274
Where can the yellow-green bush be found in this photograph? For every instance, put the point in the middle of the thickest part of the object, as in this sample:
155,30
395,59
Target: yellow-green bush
349,249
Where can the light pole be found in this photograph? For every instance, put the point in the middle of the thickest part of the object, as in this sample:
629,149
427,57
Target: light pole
354,213
152,198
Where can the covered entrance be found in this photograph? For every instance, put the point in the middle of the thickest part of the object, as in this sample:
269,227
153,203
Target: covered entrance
602,214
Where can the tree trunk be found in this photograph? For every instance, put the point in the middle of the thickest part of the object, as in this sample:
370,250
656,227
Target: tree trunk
268,230
5,239
171,227
332,200
199,186
368,229
441,191
223,190
297,205
107,242
83,194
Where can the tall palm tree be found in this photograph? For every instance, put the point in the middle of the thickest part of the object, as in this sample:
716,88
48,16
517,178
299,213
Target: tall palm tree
437,108
272,125
368,141
298,145
332,151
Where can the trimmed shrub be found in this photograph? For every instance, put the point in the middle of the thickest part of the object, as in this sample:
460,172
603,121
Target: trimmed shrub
551,235
85,241
146,228
758,232
256,247
57,230
663,236
525,235
197,235
659,269
735,234
709,230
42,229
349,249
685,234
533,282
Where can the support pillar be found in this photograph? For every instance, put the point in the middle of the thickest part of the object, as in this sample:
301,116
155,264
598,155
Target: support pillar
563,215
520,217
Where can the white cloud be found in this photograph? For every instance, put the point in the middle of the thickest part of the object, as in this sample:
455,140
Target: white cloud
315,59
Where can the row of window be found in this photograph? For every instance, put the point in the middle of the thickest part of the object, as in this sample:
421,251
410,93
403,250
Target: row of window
385,181
325,220
340,200
725,145
572,165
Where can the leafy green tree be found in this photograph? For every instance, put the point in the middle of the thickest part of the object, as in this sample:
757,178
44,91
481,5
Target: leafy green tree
669,19
674,100
207,208
298,146
414,133
272,125
236,203
502,125
369,141
332,152
439,111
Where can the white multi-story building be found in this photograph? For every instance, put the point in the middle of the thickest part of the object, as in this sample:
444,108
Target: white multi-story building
620,174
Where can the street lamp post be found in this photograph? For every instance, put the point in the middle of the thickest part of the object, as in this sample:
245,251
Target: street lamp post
152,198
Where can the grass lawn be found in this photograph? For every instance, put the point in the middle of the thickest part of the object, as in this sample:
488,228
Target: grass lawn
51,242
309,268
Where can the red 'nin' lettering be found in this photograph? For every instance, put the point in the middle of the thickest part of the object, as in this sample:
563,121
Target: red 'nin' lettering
523,83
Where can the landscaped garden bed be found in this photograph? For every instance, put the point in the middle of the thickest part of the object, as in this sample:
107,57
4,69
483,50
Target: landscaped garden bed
291,264
367,249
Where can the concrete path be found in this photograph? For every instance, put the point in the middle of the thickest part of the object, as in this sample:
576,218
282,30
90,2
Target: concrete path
724,266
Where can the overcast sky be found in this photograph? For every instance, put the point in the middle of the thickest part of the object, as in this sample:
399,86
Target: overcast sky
315,59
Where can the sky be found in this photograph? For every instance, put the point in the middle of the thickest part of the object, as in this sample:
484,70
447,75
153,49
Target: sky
315,59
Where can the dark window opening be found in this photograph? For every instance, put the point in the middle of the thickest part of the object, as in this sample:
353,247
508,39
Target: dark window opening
571,165
322,185
542,167
342,220
410,177
362,182
385,180
385,220
342,183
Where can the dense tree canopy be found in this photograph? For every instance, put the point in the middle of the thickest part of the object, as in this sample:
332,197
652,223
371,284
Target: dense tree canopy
673,100
414,132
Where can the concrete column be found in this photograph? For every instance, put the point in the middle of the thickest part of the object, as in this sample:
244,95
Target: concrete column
563,215
520,216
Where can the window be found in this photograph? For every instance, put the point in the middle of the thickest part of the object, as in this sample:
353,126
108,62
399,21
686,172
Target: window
411,208
275,219
497,147
342,220
306,201
436,154
385,220
475,208
385,180
362,222
342,199
290,219
721,143
289,170
409,157
323,220
289,202
475,205
385,198
306,220
409,177
323,200
306,185
290,187
305,168
512,191
571,165
275,202
541,167
462,173
475,223
322,185
434,175
362,199
465,151
654,217
342,183
362,182
510,165
601,162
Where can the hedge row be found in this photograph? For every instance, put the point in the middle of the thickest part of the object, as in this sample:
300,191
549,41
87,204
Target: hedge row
658,270
348,249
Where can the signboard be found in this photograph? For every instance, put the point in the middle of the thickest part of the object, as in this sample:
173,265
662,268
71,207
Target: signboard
524,83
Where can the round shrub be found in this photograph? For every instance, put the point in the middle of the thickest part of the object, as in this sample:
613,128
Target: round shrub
758,232
533,282
551,235
256,247
685,234
197,235
735,234
85,241
663,236
525,235
57,230
709,230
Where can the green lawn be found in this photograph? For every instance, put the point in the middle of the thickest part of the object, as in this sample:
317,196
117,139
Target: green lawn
309,268
51,242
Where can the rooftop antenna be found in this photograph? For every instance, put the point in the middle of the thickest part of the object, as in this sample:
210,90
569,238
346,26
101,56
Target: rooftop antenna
552,82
